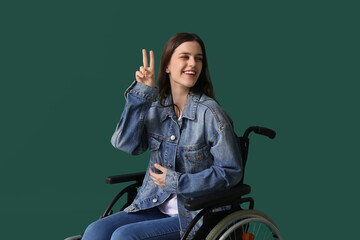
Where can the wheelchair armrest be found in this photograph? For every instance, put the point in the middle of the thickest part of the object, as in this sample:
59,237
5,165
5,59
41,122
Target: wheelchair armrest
138,177
222,198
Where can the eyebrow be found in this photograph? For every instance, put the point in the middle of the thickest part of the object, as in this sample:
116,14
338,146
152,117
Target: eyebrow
187,53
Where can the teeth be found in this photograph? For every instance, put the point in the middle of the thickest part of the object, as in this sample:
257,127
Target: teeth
189,72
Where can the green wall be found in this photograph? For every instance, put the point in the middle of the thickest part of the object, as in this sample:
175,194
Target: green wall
288,65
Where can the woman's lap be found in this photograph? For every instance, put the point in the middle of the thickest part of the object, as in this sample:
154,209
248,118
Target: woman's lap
148,224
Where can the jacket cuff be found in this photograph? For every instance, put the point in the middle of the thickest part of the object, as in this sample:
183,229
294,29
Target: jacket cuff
142,90
171,181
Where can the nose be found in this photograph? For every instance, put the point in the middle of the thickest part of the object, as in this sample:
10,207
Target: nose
192,62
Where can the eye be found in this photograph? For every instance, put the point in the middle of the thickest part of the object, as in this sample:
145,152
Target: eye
185,57
199,59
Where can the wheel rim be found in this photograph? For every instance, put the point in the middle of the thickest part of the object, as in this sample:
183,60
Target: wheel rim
253,228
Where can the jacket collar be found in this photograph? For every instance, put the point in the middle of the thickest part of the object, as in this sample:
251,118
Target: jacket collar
189,110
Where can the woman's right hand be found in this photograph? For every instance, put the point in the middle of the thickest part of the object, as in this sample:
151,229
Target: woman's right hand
146,73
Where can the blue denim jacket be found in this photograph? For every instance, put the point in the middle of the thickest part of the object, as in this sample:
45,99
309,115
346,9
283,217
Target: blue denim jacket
200,151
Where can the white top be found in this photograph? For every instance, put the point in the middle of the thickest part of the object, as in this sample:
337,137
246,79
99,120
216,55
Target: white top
169,207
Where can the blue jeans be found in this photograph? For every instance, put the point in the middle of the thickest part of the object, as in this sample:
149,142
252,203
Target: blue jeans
148,224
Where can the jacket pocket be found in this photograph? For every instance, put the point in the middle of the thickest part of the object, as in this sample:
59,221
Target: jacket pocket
198,159
154,144
198,155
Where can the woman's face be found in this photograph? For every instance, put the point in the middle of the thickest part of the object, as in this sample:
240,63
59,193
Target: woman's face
185,65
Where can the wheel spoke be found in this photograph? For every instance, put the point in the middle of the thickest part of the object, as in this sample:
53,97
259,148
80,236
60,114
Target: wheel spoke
246,224
257,233
267,236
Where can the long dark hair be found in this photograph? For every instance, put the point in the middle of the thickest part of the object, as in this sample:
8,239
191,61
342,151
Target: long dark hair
203,84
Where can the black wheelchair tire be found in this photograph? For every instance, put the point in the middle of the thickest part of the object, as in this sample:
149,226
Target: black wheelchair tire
240,218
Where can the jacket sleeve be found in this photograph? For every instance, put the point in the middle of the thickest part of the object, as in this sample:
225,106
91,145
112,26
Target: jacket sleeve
225,172
130,133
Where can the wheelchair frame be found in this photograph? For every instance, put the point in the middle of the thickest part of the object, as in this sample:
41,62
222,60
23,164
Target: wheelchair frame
214,221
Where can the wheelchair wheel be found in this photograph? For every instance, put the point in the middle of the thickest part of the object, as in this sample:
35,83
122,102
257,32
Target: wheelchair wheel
245,225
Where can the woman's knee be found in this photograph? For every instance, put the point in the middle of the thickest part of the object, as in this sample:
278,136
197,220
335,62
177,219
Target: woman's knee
125,233
97,231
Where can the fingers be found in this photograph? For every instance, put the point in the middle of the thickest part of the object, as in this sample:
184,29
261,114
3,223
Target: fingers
158,175
152,61
152,174
159,167
159,179
145,60
143,70
139,76
146,74
155,177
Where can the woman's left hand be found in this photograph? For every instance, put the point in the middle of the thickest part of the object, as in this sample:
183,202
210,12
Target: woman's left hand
159,179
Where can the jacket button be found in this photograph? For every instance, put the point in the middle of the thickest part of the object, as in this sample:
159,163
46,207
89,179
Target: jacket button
169,165
172,137
155,200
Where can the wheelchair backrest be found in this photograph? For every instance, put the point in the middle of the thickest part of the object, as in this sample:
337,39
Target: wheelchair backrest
243,143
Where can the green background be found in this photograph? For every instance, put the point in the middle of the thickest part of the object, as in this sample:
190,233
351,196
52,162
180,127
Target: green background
291,66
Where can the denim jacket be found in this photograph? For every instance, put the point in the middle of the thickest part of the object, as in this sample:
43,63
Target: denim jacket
200,150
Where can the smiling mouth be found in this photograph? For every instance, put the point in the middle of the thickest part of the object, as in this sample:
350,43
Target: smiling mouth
192,73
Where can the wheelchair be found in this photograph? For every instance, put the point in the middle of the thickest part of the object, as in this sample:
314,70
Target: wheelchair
223,213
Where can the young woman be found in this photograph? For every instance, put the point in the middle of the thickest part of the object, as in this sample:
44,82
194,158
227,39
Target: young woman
193,146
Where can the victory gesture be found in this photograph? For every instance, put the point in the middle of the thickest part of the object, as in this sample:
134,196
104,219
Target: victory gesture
146,73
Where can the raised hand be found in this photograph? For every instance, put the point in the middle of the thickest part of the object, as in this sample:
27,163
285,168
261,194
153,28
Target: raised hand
146,73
